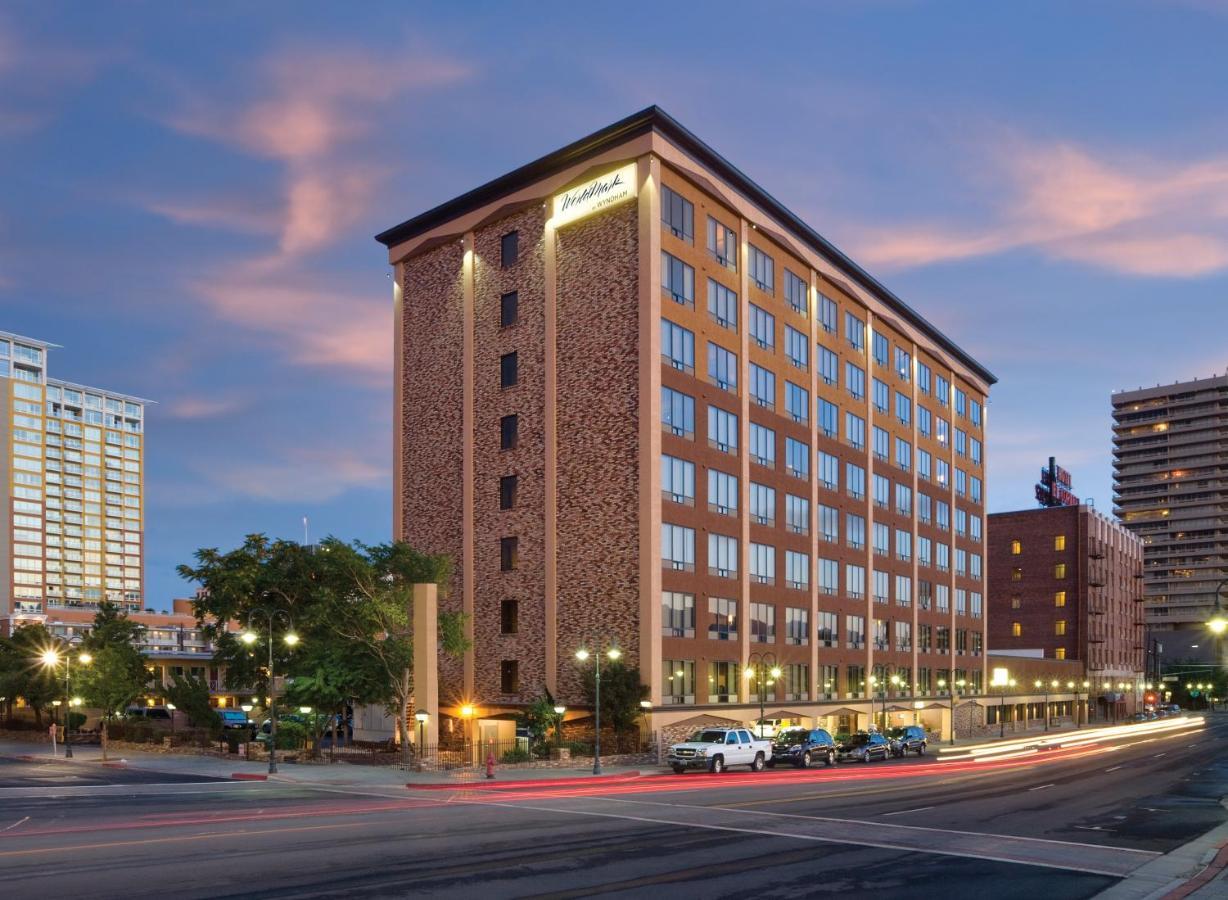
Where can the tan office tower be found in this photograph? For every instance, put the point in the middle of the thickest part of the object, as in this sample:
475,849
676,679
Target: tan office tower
1170,467
642,403
71,530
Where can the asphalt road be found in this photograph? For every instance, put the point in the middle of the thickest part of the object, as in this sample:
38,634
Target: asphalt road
1067,826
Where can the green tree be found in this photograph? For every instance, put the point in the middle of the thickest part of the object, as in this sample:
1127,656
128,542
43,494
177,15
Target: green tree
191,695
539,717
111,626
621,693
330,675
116,676
22,673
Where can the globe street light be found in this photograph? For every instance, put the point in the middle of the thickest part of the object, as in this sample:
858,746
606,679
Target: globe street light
52,658
583,655
759,665
250,637
559,712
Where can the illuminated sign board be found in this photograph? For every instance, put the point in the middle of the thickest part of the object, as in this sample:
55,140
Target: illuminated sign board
1054,487
594,196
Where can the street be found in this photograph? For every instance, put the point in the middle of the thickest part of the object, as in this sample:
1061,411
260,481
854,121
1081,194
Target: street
1069,826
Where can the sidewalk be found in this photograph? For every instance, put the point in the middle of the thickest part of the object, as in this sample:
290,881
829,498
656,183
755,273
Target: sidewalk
336,774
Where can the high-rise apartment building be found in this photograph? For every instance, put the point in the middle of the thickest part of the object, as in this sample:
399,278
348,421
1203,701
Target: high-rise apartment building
1170,462
71,530
1066,581
641,403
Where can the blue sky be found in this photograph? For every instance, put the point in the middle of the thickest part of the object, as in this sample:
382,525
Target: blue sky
190,192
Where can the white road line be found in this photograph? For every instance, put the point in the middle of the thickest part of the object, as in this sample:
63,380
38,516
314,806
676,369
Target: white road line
1114,769
1158,755
15,824
1040,787
904,812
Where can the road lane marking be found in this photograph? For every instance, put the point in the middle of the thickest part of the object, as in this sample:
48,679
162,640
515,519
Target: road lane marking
904,812
15,824
1040,787
1158,755
1113,769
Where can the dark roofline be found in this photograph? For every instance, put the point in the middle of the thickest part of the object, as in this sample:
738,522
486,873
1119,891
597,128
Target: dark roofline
656,119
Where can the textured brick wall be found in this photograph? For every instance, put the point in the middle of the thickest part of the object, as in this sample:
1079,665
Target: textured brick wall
526,399
432,400
598,421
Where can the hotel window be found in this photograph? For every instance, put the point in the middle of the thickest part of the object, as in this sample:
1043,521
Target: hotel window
924,421
855,632
903,409
722,368
855,530
903,637
1059,627
722,430
679,687
797,348
903,545
508,370
678,214
855,430
797,570
944,557
797,458
925,551
762,386
722,682
829,367
903,455
678,480
942,471
678,347
509,676
722,305
509,616
855,332
881,349
943,519
827,313
882,491
975,412
762,445
974,450
903,500
762,327
1016,602
1059,599
509,311
723,625
961,522
1016,629
678,413
925,504
924,463
797,514
1016,548
923,378
723,244
677,547
829,418
880,395
795,293
829,523
509,249
942,390
722,493
762,504
855,481
903,364
854,581
827,631
942,598
509,552
829,471
881,443
925,642
961,403
829,576
677,279
882,587
961,442
797,402
722,556
881,543
942,639
762,623
677,614
762,270
797,681
855,380
507,492
1059,542
1059,571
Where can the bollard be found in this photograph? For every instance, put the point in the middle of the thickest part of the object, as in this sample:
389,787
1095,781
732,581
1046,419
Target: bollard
490,764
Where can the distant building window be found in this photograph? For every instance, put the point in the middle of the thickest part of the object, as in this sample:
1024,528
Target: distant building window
1016,548
508,428
678,214
509,309
1016,629
723,244
1016,574
1059,542
509,553
509,617
509,676
1059,653
762,270
508,370
509,249
1059,627
507,492
1059,599
1059,571
1016,602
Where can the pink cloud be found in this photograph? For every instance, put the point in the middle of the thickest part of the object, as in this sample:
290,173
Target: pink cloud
312,475
1126,215
194,407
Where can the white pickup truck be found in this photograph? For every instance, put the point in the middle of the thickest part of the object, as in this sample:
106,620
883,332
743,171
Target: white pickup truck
715,749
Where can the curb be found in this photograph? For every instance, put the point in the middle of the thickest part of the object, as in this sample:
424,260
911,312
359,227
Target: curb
248,776
520,784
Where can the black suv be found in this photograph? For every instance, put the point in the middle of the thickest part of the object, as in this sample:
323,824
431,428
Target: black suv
803,746
909,739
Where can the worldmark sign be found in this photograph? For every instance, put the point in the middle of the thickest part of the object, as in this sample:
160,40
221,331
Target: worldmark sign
594,196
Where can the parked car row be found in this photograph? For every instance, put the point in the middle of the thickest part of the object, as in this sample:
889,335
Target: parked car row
1160,712
716,749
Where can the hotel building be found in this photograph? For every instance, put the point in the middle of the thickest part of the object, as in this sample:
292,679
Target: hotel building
641,403
1170,469
71,531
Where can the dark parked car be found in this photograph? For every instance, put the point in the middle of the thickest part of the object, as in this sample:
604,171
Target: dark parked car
236,720
864,746
802,747
908,739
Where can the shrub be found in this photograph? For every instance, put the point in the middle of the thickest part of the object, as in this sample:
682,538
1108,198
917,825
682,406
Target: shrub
518,755
76,721
291,735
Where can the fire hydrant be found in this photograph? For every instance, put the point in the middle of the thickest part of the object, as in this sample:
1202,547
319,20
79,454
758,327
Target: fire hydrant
490,764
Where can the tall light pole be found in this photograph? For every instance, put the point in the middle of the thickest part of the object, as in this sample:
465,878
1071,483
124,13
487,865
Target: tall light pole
421,718
51,658
758,663
559,712
582,655
250,637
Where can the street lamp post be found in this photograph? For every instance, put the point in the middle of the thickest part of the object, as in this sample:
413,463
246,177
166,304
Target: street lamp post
421,718
51,658
250,637
559,711
582,655
758,662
